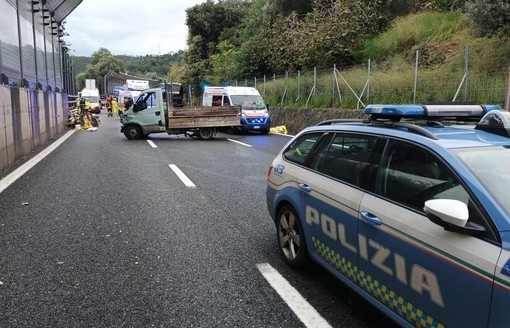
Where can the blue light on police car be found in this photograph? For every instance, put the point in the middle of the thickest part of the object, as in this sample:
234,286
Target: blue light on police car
395,110
459,111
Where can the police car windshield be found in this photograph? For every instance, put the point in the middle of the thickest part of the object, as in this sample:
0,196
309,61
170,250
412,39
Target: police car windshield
248,101
491,165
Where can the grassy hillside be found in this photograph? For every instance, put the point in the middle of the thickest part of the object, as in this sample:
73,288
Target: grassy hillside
440,38
445,44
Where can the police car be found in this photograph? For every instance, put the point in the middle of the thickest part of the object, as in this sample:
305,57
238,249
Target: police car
409,206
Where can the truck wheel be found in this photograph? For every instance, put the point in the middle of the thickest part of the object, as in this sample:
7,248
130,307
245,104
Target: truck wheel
133,132
266,131
205,133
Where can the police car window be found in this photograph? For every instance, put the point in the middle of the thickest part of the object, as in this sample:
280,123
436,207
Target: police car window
411,175
345,158
491,167
301,147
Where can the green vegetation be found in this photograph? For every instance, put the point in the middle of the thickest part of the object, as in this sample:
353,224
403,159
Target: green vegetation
341,53
443,42
102,61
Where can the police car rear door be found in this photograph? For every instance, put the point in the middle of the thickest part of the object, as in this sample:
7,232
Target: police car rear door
420,272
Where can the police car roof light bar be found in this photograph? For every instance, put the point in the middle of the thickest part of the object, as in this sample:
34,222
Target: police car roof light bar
436,111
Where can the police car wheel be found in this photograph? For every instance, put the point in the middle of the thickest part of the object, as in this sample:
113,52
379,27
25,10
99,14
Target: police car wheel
291,239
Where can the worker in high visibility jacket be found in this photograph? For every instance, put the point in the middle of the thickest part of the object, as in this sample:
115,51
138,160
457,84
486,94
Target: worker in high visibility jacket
115,105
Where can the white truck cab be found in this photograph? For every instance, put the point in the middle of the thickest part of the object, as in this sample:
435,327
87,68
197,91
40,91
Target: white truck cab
254,111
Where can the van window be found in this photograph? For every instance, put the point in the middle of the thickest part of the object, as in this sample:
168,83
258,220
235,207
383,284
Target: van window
216,100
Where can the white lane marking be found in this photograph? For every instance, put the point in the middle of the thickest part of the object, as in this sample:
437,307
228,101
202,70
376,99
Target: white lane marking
187,182
153,145
297,303
285,135
239,142
16,174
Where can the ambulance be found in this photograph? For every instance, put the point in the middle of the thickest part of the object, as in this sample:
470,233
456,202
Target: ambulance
92,95
254,111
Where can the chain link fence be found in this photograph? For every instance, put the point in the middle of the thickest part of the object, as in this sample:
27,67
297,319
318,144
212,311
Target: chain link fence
355,87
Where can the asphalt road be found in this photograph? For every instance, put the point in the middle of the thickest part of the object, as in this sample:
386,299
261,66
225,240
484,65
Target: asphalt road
103,233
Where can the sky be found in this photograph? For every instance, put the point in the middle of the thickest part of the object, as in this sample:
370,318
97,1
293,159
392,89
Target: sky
128,27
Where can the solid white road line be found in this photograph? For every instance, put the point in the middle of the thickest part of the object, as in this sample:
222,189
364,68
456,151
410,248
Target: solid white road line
187,182
153,145
239,142
297,303
13,176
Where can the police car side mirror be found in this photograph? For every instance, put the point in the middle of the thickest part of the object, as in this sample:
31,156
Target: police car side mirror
452,215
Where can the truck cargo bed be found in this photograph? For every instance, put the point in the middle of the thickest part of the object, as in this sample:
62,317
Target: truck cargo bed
204,117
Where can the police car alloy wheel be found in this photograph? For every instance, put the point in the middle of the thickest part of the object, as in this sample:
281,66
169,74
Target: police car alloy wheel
291,240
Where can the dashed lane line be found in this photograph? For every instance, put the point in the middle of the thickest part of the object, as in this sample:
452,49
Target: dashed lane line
297,303
187,182
239,142
152,144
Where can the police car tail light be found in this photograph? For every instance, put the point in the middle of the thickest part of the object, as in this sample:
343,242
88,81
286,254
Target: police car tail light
270,170
430,111
497,122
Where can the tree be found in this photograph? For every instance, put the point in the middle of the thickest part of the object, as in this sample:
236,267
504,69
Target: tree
208,24
101,63
275,8
324,37
223,64
492,18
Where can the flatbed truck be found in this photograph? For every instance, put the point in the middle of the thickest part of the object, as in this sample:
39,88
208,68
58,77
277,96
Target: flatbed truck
154,112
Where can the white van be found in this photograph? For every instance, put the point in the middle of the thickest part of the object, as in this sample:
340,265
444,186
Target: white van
254,111
92,95
123,97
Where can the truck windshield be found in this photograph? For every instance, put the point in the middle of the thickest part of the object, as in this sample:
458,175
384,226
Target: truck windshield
248,101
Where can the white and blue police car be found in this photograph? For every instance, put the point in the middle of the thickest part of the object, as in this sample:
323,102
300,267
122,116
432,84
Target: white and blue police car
409,206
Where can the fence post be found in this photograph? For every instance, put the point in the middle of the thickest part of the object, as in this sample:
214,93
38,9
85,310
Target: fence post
264,89
285,90
314,80
274,84
334,85
466,63
507,97
298,85
415,76
369,77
